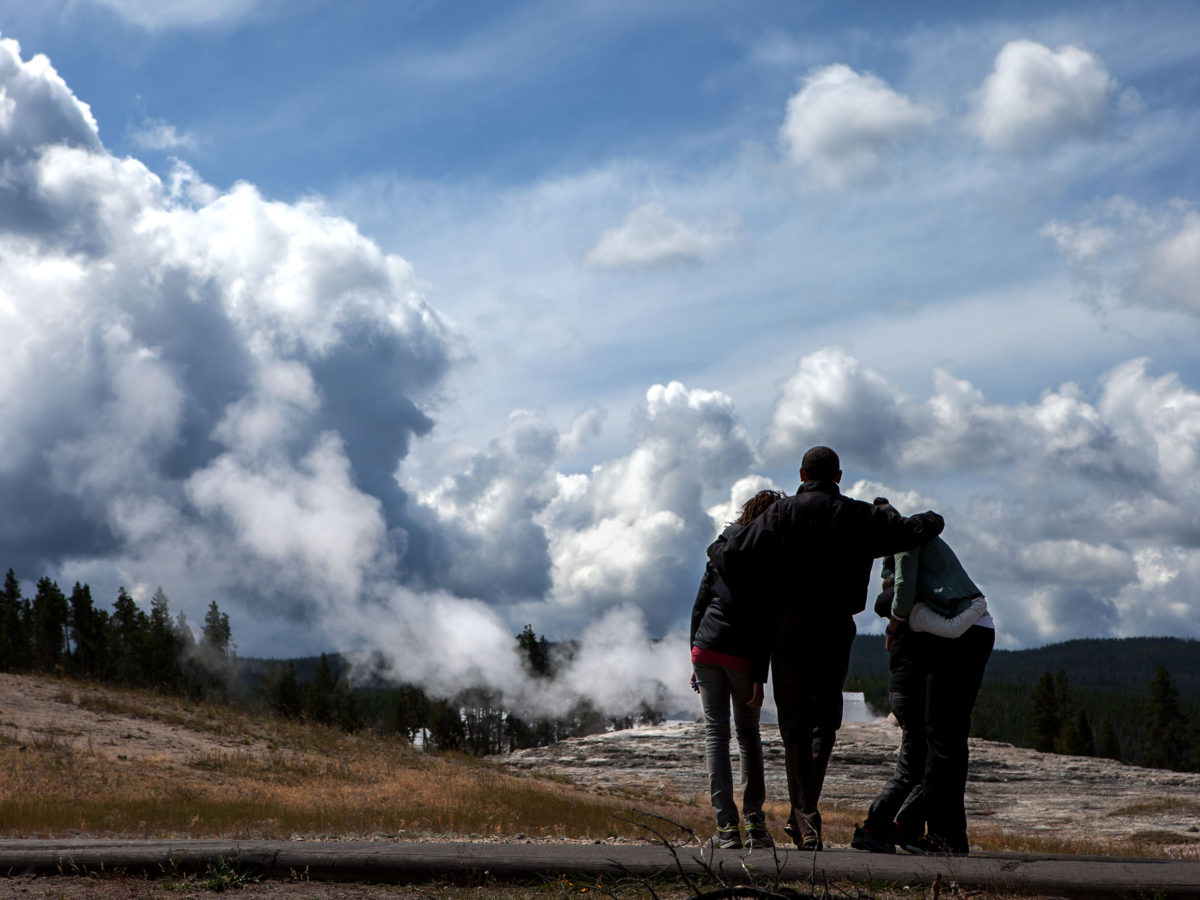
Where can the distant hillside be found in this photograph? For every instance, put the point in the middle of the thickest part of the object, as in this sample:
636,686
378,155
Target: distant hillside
1109,665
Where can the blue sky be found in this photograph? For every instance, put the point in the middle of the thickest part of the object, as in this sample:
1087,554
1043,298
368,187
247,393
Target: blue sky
458,316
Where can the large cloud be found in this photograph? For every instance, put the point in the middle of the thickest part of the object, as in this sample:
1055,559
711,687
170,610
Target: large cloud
1035,94
841,122
204,389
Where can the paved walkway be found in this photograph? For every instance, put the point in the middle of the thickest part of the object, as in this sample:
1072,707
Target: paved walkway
409,862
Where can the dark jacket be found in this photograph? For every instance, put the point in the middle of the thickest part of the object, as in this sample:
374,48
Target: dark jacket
811,553
727,624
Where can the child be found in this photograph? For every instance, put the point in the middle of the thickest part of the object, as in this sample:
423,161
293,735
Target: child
730,662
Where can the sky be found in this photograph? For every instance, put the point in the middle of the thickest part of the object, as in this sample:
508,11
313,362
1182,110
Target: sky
395,327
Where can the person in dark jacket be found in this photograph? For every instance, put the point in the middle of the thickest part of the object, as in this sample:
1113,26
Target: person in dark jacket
809,559
729,663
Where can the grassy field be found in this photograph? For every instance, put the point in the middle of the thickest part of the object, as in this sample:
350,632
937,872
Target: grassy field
301,781
281,779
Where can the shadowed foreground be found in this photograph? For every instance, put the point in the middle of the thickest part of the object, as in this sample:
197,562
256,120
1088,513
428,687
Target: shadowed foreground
410,862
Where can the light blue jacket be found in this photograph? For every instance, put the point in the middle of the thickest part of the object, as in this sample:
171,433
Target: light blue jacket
931,574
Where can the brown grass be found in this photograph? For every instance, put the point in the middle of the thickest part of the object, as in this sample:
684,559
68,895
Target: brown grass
311,781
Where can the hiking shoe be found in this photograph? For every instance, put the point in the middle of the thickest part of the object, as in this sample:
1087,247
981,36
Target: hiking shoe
805,842
757,836
865,839
727,838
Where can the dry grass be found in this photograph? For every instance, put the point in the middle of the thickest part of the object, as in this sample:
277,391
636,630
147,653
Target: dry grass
1182,806
302,780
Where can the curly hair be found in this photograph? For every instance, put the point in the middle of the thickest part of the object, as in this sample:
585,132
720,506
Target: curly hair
757,505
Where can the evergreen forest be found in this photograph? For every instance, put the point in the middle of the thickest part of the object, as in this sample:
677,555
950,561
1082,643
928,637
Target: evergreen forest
1135,700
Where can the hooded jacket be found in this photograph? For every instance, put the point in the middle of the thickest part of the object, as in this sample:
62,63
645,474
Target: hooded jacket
727,623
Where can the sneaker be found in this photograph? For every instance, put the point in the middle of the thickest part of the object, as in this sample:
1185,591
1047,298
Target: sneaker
865,839
757,836
727,838
812,842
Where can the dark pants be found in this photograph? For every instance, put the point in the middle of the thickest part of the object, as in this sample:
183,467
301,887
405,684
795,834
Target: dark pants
809,661
955,674
935,682
900,800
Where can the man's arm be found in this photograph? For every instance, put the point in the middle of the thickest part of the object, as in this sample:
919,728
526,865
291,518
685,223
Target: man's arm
894,532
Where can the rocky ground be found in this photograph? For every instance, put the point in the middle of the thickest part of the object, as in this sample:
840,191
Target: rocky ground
1011,789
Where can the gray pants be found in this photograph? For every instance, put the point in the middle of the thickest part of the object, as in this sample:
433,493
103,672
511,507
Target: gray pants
719,687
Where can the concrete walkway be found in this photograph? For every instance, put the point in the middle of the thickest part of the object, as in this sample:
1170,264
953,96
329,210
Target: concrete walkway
409,862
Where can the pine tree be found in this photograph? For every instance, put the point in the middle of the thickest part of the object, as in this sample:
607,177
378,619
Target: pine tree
1110,745
50,615
217,634
285,695
1075,738
1166,743
1062,695
164,647
536,651
1043,715
1067,736
14,643
127,639
320,702
89,627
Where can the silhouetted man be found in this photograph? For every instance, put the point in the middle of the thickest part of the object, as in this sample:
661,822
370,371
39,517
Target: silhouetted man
809,559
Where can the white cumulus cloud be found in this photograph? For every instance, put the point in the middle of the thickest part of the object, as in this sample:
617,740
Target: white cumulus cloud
841,123
1035,94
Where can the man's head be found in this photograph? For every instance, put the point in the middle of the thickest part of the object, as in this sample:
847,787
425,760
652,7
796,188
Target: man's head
820,464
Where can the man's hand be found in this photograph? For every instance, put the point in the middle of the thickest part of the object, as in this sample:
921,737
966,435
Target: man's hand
695,684
756,697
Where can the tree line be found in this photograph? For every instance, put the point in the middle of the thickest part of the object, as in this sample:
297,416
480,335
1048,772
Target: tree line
56,634
53,633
